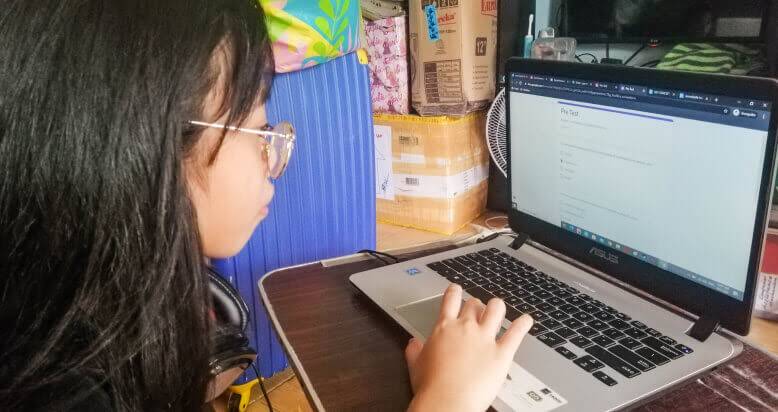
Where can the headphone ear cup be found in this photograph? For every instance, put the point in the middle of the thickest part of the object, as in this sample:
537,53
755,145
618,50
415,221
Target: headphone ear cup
228,305
231,353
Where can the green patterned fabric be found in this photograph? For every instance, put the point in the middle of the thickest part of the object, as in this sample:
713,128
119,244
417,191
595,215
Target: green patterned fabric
309,32
711,58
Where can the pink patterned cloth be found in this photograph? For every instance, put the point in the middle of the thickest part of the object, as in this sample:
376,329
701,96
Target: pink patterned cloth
388,52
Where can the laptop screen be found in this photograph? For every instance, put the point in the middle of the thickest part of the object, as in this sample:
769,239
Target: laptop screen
670,177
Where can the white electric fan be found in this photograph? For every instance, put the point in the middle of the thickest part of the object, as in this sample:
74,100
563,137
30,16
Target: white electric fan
496,136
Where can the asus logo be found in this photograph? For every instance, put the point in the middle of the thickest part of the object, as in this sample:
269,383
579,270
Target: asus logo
610,257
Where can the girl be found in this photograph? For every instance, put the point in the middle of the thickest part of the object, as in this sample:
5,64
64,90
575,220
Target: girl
118,178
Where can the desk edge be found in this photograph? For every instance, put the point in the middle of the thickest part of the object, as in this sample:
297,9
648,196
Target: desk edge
313,397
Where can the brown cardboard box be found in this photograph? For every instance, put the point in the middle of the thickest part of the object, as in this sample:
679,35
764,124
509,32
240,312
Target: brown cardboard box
431,172
453,62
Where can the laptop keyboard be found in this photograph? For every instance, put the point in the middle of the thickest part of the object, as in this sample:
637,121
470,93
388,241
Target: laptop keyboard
564,317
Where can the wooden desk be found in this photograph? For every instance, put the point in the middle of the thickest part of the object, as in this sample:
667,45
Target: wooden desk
348,354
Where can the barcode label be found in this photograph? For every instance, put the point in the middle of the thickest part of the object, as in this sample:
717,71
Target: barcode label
412,181
409,140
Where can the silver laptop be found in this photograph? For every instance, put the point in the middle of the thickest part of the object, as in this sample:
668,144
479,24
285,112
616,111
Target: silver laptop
639,200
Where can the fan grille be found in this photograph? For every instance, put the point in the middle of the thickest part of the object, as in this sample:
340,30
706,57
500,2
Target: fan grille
496,132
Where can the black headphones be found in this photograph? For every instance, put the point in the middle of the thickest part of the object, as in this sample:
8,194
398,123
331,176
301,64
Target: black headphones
231,345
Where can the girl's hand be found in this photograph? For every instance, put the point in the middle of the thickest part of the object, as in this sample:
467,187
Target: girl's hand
462,366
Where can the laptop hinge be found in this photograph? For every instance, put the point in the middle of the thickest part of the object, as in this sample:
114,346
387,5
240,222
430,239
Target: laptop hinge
519,241
703,328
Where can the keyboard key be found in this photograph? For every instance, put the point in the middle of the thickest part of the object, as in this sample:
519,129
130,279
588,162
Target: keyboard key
558,315
604,316
545,307
635,333
584,296
590,308
543,294
456,278
511,313
629,343
613,361
572,323
668,340
598,325
661,347
479,280
572,290
603,341
470,274
491,287
551,324
533,300
564,294
638,324
653,332
588,363
566,332
510,287
583,316
556,301
436,266
532,288
456,266
568,308
575,300
520,293
551,339
604,378
502,294
536,329
632,358
550,287
525,308
539,316
566,352
466,284
519,281
652,355
480,294
621,316
599,304
684,349
580,341
587,332
613,333
513,301
610,310
619,324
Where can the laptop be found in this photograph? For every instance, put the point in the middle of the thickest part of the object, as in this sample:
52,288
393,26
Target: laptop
639,203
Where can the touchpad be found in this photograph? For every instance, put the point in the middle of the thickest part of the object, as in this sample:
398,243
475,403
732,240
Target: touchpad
422,315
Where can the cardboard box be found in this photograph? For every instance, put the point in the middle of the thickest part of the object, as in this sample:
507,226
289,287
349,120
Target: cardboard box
431,172
453,55
388,51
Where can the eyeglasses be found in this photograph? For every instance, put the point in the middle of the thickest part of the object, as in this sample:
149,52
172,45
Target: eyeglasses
278,140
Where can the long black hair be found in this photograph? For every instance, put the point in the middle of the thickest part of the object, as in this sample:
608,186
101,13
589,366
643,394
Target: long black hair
101,274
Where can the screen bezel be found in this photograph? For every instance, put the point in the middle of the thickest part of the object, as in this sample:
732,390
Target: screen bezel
732,314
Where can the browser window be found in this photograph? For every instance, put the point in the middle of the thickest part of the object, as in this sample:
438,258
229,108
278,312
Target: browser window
669,177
